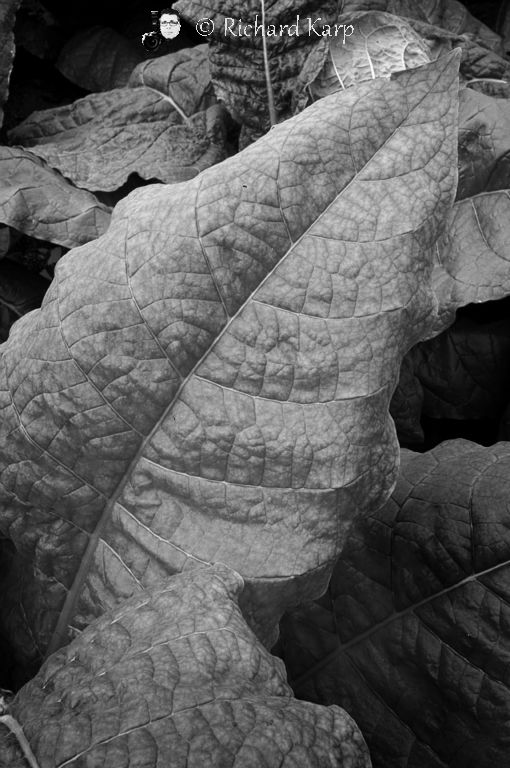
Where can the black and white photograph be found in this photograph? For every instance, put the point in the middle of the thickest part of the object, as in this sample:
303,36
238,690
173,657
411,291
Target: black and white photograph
255,384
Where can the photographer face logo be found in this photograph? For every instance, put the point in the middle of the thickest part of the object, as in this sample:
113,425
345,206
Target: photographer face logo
169,24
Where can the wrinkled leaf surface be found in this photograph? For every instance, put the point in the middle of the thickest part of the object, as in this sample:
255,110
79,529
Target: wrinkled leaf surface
412,636
183,75
237,60
38,201
474,252
452,15
380,44
210,379
98,141
484,143
176,678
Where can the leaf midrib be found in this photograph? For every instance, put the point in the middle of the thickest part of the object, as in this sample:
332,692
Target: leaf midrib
395,616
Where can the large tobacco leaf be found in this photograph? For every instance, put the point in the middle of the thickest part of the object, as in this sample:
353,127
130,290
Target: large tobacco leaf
210,379
412,636
98,141
174,677
242,64
37,200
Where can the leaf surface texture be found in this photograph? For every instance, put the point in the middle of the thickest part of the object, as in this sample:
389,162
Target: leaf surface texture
412,634
175,677
210,380
98,141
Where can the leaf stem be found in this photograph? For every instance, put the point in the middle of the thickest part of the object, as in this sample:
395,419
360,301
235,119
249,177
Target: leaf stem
16,729
270,95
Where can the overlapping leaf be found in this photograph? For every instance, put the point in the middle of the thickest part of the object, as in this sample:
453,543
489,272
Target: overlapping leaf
98,141
413,635
474,252
378,44
38,201
451,15
174,677
210,379
444,25
237,62
183,75
381,44
484,143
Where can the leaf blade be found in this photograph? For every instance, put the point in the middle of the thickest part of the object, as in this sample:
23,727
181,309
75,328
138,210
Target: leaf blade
420,658
200,456
176,675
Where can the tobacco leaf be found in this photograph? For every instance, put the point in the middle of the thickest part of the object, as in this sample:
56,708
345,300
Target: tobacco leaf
183,75
472,253
237,61
445,25
498,89
380,44
210,379
412,635
451,15
484,143
99,59
175,677
38,201
407,402
98,141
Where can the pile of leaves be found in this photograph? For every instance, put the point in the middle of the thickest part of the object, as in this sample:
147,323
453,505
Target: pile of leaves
239,281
